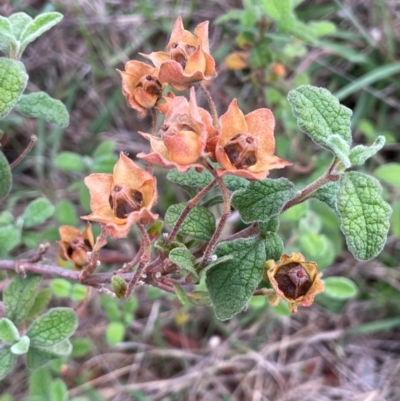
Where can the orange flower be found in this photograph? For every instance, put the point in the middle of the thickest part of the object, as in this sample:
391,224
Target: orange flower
246,143
123,198
188,59
75,245
294,280
141,86
183,137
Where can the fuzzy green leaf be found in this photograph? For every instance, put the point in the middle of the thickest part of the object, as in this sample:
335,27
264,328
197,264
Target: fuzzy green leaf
41,105
5,176
190,178
69,161
7,361
115,333
21,347
320,115
19,297
395,219
199,223
10,237
262,199
339,288
233,183
359,154
231,284
6,34
8,332
340,148
280,11
328,194
184,259
199,298
270,225
37,212
19,21
53,327
119,286
38,356
389,173
364,215
38,26
273,246
41,301
181,294
13,79
58,390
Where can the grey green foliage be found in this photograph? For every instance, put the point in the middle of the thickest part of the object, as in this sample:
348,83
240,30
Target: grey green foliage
69,161
37,212
184,259
190,178
181,294
10,237
199,223
359,154
41,105
340,148
8,332
19,22
364,214
13,79
5,176
389,173
328,194
270,225
7,361
339,287
21,347
6,34
273,246
262,199
231,284
38,356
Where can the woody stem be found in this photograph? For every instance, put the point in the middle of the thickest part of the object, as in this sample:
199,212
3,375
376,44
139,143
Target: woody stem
25,152
222,220
154,121
143,261
211,103
190,205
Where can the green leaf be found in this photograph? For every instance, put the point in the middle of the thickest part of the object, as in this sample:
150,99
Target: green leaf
38,26
184,259
19,297
119,286
10,237
8,332
181,294
7,361
69,161
231,284
53,327
80,347
78,292
359,154
104,148
395,219
364,215
280,11
6,35
41,301
37,212
21,347
262,199
340,148
39,383
322,28
6,218
340,288
389,173
199,298
190,178
58,390
41,105
199,223
328,194
320,115
19,21
273,246
13,79
271,225
234,183
115,333
61,287
65,213
38,356
378,326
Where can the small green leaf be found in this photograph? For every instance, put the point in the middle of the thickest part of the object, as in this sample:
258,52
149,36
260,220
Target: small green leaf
395,219
262,199
80,347
6,35
41,301
78,292
115,333
38,26
119,286
231,284
65,213
41,105
181,294
184,259
199,223
359,154
320,115
270,225
328,194
38,356
104,148
61,287
8,332
280,11
58,390
69,161
233,183
389,173
199,298
6,218
19,21
273,246
340,148
21,347
190,178
39,383
322,28
10,237
37,212
19,297
364,215
13,79
53,327
340,288
7,361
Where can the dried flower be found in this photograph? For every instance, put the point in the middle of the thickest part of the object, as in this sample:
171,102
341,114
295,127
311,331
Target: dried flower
183,136
123,198
75,245
188,59
294,280
246,143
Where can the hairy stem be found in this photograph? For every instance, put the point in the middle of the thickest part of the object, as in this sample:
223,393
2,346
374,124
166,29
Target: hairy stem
211,103
154,121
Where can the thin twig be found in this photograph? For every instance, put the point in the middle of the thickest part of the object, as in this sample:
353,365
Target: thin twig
25,152
154,121
211,103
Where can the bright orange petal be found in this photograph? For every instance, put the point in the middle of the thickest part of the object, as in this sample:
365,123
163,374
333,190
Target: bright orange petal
195,62
231,123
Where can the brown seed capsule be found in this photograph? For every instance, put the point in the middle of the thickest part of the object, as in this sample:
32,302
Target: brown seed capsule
293,280
242,151
180,52
124,200
151,84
